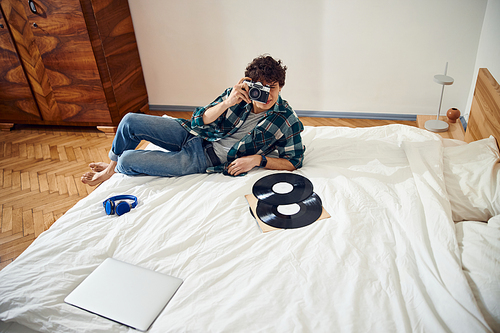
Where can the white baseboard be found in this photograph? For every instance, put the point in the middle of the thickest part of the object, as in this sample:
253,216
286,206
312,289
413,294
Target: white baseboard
309,113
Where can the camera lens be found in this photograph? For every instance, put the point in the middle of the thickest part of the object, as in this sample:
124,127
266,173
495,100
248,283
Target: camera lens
254,93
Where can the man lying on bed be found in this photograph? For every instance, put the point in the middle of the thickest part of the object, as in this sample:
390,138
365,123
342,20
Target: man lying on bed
233,134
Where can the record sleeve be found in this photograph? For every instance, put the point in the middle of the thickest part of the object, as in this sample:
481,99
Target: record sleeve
265,228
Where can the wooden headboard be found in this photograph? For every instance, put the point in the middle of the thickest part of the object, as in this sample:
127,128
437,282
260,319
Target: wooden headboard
484,118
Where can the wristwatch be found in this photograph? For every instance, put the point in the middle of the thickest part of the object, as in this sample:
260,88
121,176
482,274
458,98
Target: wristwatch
263,163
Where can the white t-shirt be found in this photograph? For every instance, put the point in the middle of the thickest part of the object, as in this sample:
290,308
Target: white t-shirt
222,146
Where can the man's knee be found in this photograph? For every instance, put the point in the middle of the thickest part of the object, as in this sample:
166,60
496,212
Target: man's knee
130,123
129,118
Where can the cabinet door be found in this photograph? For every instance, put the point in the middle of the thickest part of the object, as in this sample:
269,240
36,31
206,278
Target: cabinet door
54,47
16,99
29,55
61,35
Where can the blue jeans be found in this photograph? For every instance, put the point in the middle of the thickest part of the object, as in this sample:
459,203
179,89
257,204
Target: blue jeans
186,153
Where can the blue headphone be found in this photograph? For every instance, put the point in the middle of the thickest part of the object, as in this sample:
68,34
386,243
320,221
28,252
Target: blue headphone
121,207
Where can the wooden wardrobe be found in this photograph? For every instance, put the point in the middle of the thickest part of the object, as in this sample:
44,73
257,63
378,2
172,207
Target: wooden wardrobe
68,62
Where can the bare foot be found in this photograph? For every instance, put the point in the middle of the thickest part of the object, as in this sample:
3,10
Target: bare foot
87,177
94,178
98,167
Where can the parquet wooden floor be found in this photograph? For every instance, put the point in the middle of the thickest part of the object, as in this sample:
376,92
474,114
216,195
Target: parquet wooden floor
40,169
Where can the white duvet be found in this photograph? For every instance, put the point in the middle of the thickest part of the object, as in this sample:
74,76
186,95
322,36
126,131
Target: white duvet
386,261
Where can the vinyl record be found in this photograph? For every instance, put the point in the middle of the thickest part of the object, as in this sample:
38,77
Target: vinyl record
268,188
310,210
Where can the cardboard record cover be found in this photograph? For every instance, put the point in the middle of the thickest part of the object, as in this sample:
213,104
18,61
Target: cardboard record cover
252,202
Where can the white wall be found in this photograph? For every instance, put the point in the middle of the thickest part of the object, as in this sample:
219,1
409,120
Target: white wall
488,54
360,56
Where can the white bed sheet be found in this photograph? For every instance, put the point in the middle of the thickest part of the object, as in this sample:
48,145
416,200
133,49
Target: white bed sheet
386,260
479,244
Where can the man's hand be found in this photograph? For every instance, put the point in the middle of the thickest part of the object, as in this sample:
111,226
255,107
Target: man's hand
243,164
238,94
247,163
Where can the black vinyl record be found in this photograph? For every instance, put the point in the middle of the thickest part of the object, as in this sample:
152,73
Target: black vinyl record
310,210
263,189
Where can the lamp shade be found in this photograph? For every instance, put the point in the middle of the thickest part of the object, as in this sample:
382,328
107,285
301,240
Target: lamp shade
443,79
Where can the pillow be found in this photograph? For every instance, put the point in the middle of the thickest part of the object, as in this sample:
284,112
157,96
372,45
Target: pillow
479,245
472,175
453,142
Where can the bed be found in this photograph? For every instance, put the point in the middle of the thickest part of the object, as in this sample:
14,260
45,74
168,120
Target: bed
412,243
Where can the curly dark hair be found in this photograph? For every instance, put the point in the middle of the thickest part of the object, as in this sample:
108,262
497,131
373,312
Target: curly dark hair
265,68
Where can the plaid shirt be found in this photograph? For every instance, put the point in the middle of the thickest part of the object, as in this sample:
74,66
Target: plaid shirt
279,129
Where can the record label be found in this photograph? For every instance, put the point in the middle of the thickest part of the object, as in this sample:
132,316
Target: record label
290,209
282,188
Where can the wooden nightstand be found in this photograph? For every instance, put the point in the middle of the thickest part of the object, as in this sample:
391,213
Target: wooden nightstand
456,130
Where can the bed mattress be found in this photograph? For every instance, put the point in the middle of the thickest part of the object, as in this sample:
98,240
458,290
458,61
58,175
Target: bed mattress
386,260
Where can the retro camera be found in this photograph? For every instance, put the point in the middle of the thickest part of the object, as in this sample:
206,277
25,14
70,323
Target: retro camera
258,92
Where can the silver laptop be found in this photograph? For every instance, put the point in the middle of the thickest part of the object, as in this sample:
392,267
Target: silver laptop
125,293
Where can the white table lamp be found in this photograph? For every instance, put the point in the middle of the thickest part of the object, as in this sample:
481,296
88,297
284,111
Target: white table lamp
439,125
